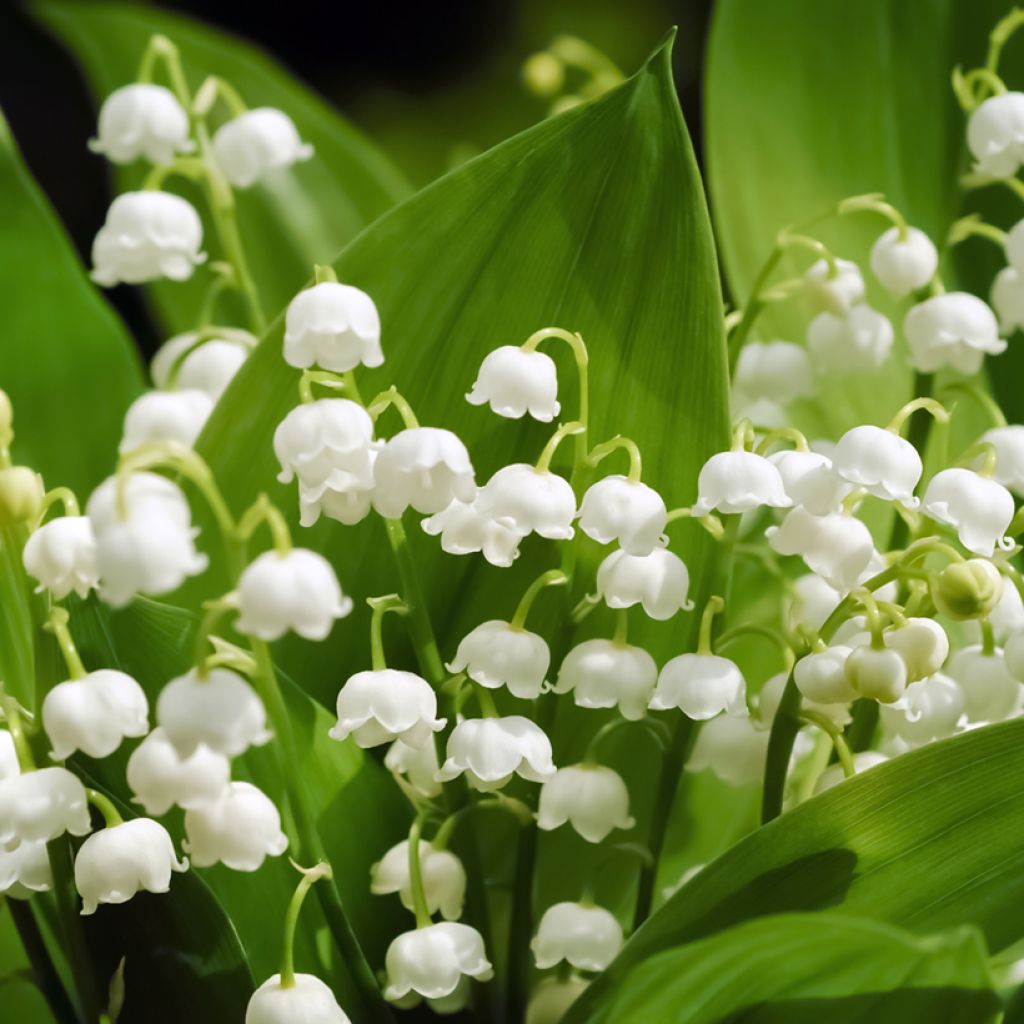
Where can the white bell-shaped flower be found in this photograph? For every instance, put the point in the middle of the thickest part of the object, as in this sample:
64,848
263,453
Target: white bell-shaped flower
9,766
24,870
306,1001
738,482
257,142
115,863
41,805
380,705
979,509
836,291
417,764
551,999
151,548
176,416
991,693
812,601
334,326
883,463
631,513
929,710
425,468
94,714
834,774
328,444
295,590
1008,443
836,547
182,362
733,747
491,750
811,481
776,370
855,342
701,686
877,673
1007,298
142,120
529,500
587,937
513,383
591,797
1005,619
160,778
496,654
924,645
444,878
995,135
902,265
240,829
221,711
464,530
146,236
821,676
606,674
658,582
61,555
953,330
432,961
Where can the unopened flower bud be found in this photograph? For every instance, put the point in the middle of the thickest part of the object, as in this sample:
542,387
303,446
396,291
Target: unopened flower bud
544,74
967,590
21,495
877,674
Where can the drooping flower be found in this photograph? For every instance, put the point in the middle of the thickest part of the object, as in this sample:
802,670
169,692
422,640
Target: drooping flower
495,654
432,961
855,342
94,714
1007,298
41,805
142,120
334,326
418,765
160,778
821,676
904,264
115,863
811,481
979,509
24,870
733,747
954,330
701,686
883,463
61,555
1008,443
444,878
605,674
995,135
739,482
514,382
146,236
930,709
183,362
380,705
777,371
924,645
240,829
877,673
465,530
991,693
307,1000
250,146
616,509
489,751
835,288
587,937
176,416
425,468
529,500
658,582
836,547
590,797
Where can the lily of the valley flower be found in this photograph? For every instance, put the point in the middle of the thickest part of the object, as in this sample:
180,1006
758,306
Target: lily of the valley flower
444,878
257,142
334,326
176,416
465,530
590,797
418,765
777,371
738,482
855,342
1008,443
904,264
811,481
422,467
953,330
24,870
61,555
701,686
306,1000
514,382
836,547
734,747
529,500
240,829
929,710
160,778
182,362
496,654
658,582
877,673
991,693
979,509
142,120
835,287
115,863
995,135
489,751
881,462
380,705
586,937
617,509
606,674
821,676
146,236
41,805
924,645
432,961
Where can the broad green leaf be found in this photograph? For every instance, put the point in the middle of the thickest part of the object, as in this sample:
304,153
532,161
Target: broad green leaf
21,998
66,361
808,103
300,217
927,841
804,968
360,812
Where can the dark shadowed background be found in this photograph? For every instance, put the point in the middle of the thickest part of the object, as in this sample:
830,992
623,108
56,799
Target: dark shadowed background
430,83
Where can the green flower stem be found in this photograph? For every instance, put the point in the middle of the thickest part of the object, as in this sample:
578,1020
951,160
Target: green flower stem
15,726
324,379
324,274
393,398
380,607
935,409
783,434
575,428
111,815
264,512
785,727
988,638
920,427
621,635
59,495
598,452
213,612
499,802
875,202
44,973
1000,35
972,226
582,357
730,636
419,896
308,846
486,702
215,88
707,620
551,578
310,876
57,624
827,726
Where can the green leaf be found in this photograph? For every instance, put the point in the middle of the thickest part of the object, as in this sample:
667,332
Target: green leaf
809,103
927,841
804,968
300,217
593,221
67,361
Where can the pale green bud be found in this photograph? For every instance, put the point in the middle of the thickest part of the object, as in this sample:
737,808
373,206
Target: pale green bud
544,74
21,495
967,590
